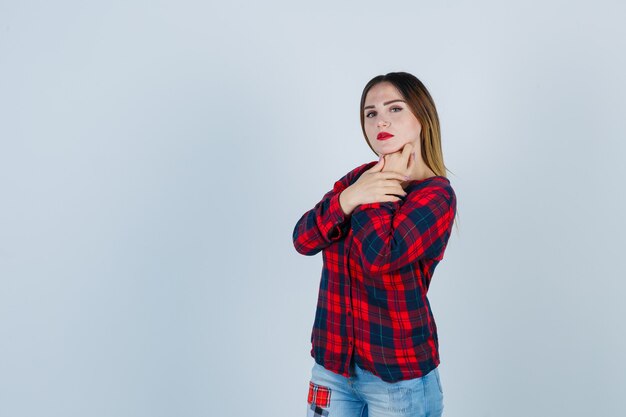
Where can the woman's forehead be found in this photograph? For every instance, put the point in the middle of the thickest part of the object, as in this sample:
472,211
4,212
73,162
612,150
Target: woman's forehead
382,92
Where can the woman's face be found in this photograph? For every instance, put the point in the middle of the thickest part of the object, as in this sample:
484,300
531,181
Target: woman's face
385,111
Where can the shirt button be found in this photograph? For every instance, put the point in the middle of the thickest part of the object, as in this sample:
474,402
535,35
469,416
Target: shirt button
349,312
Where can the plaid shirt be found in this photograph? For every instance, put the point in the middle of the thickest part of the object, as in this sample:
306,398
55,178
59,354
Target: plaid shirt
377,265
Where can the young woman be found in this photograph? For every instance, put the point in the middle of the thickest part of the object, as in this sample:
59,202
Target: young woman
382,230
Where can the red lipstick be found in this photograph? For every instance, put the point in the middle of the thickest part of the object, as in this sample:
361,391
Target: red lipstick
384,136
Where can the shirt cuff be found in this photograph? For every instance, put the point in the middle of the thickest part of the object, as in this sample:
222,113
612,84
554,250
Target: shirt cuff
336,218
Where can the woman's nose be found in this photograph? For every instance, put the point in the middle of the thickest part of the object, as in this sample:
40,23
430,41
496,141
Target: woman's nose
382,123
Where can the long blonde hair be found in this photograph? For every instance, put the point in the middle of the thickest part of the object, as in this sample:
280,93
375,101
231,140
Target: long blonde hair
421,103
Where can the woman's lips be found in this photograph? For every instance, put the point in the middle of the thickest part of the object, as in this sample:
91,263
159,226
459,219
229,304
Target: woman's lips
384,136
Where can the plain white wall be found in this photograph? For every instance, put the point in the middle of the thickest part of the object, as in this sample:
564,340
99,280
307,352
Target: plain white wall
155,156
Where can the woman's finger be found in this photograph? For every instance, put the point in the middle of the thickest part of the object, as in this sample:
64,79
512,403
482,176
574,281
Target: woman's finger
395,190
392,175
390,198
393,184
378,166
407,150
411,162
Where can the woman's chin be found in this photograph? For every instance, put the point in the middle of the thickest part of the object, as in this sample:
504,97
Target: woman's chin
386,149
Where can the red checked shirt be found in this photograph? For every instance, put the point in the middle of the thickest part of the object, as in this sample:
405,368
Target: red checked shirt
377,265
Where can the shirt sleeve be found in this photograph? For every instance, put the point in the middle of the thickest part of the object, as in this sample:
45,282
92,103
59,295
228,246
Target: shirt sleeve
392,235
326,222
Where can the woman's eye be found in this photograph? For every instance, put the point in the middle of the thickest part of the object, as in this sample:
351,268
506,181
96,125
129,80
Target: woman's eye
369,114
396,108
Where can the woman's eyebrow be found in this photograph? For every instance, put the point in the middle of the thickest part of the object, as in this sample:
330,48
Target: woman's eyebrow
385,103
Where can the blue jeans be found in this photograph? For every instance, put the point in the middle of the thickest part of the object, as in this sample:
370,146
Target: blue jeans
366,395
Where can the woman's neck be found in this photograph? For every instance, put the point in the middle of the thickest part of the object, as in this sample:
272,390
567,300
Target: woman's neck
421,173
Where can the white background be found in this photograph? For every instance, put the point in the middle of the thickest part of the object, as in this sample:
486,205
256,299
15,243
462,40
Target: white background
156,155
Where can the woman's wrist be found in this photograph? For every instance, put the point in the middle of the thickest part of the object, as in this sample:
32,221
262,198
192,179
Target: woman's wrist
345,202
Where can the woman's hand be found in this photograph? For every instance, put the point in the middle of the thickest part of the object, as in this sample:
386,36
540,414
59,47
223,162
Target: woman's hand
401,161
371,187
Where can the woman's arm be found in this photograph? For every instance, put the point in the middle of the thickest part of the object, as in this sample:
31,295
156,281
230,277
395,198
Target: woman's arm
326,222
391,235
